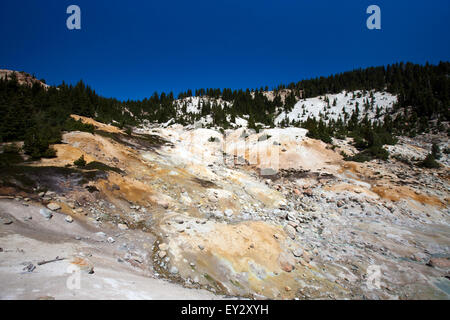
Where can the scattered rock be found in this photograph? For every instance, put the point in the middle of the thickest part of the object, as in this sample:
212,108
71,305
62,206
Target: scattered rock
53,206
162,254
298,252
47,214
165,205
84,264
287,262
111,240
173,270
228,212
439,263
218,214
6,221
69,219
122,226
29,267
419,256
290,231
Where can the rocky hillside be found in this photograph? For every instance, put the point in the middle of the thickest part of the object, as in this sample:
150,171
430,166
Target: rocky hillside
179,211
22,77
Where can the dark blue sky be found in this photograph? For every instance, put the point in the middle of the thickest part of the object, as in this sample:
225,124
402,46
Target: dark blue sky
129,49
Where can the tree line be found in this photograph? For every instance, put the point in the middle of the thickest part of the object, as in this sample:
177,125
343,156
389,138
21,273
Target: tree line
38,115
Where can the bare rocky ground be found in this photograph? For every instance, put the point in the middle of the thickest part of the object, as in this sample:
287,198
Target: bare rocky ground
171,208
113,264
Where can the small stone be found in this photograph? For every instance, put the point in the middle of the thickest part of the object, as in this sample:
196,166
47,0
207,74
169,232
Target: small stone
173,270
84,264
228,212
53,206
218,214
290,231
293,224
290,216
201,247
179,220
165,205
419,256
29,268
122,226
101,234
163,246
298,252
111,240
162,254
287,288
287,263
6,221
439,263
69,219
47,214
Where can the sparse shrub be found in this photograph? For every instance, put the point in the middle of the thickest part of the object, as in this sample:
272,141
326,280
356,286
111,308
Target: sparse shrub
77,125
436,151
10,155
37,145
429,162
80,162
374,152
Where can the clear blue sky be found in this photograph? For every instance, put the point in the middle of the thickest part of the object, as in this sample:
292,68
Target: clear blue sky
129,49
